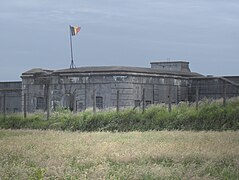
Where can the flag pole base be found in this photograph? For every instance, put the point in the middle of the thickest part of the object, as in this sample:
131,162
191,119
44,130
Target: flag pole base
72,66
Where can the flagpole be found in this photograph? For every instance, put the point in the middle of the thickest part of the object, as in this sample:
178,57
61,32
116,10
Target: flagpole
72,61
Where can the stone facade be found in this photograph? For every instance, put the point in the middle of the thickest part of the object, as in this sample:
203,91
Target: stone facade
79,88
10,97
75,88
181,66
213,87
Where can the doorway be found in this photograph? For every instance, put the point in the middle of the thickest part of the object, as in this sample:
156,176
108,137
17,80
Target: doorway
67,101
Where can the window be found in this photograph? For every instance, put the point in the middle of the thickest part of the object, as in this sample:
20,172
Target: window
80,106
119,78
40,103
99,102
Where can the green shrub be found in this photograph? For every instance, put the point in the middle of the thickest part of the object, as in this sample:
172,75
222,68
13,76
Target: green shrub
209,116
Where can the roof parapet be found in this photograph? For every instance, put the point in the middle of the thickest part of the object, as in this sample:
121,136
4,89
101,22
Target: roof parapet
181,66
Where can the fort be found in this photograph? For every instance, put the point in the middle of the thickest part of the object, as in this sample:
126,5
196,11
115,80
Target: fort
110,86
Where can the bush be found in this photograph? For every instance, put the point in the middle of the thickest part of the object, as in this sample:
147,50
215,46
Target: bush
209,116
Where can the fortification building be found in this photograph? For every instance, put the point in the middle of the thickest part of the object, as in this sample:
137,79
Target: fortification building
112,86
107,86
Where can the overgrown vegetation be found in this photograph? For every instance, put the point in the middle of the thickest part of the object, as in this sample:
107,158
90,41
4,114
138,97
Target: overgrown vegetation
209,116
35,154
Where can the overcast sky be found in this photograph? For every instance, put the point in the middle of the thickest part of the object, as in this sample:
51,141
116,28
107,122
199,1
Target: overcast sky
35,34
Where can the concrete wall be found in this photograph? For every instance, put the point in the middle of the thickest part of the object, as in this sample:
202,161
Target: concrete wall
171,66
10,97
234,79
78,90
212,88
35,88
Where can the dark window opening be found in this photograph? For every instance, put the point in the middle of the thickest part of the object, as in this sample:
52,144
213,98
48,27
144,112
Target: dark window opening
99,102
40,103
67,101
80,106
147,103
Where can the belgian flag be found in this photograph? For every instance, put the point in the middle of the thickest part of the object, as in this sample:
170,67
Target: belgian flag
75,30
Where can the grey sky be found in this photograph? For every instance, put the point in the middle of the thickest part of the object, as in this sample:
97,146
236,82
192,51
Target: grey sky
35,33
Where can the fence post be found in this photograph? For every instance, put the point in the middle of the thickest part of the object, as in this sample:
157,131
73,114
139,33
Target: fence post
94,102
47,102
4,106
153,93
76,105
143,99
25,105
224,93
117,108
197,96
169,99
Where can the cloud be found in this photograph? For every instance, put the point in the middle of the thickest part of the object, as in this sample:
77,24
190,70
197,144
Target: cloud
124,31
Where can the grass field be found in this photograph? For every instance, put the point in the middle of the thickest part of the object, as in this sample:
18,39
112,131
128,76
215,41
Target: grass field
34,154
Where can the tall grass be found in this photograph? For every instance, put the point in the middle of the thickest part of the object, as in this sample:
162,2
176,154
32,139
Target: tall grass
209,116
34,154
